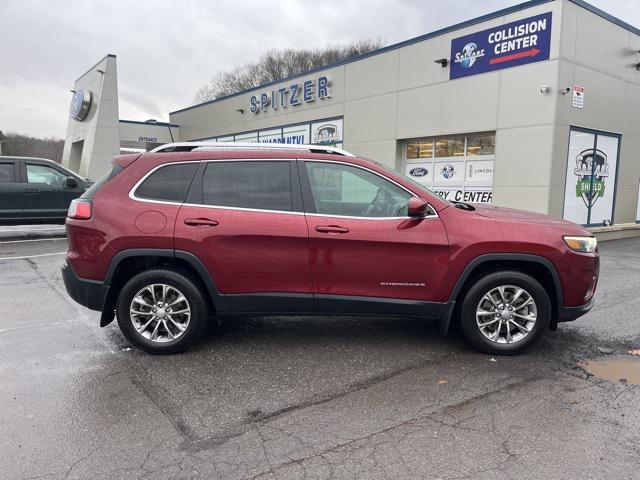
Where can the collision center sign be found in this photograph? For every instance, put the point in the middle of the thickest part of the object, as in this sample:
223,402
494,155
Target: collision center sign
516,43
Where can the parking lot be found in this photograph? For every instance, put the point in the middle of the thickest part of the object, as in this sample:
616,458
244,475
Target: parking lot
309,398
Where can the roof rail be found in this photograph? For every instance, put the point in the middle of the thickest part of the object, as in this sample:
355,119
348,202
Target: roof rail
208,146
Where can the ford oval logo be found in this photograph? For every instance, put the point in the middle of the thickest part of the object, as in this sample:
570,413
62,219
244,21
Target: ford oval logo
418,172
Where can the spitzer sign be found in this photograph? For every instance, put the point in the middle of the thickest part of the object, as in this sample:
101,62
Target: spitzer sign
509,45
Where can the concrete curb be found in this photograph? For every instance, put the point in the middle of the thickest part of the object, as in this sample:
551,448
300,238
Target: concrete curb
31,234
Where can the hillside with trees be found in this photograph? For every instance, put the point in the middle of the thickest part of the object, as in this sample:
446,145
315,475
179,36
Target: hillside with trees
19,145
278,64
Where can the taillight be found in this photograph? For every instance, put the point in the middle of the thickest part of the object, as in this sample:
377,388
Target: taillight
79,209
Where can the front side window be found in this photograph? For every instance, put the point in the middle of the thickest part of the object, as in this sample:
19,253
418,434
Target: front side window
345,190
6,172
44,174
261,185
169,183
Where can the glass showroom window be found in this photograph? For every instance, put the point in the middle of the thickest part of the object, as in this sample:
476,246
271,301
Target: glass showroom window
420,149
325,132
459,167
482,144
450,147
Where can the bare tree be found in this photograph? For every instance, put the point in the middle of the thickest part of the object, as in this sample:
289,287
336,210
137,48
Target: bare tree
27,146
278,64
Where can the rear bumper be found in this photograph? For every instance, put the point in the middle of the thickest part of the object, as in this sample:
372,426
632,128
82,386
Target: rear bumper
89,293
568,314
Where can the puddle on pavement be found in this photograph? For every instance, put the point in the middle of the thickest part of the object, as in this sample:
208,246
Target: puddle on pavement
615,369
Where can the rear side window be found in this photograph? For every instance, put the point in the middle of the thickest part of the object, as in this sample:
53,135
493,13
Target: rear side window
93,189
169,183
264,185
6,173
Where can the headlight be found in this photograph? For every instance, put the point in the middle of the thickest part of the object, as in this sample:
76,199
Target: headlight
581,244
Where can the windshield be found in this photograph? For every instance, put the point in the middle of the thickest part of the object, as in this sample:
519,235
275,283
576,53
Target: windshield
418,185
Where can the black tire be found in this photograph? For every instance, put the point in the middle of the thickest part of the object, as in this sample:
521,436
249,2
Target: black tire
184,284
485,284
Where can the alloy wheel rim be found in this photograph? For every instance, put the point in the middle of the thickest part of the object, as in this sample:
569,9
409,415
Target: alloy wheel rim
506,314
160,313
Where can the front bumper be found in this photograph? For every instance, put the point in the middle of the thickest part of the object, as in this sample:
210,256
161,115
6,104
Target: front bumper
89,293
568,314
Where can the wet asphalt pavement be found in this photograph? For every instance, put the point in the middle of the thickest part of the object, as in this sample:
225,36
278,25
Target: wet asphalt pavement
316,398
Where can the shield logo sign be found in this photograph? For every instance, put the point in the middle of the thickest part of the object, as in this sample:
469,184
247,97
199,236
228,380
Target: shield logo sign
592,168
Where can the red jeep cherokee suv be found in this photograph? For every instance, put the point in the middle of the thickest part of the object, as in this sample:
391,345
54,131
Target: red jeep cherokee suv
170,238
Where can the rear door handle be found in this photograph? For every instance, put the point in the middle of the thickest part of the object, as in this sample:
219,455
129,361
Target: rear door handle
200,222
32,190
331,229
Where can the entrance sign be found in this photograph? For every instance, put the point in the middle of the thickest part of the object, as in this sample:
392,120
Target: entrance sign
516,43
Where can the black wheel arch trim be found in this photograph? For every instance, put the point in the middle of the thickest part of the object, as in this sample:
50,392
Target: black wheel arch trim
223,306
284,303
513,257
108,311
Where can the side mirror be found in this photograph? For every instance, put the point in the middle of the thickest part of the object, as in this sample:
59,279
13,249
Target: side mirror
417,208
70,182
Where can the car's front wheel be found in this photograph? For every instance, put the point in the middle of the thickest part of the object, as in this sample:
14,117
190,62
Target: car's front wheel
505,312
161,311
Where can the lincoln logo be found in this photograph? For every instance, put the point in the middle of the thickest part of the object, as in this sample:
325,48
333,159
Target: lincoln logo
418,172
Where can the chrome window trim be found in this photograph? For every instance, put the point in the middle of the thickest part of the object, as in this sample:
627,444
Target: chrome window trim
390,180
132,195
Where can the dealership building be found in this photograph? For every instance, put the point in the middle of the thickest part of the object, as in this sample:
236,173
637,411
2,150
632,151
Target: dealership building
536,106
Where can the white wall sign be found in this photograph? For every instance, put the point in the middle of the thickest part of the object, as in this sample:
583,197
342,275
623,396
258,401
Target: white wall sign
271,136
328,132
420,172
577,98
591,173
298,134
638,207
465,194
479,171
251,137
448,171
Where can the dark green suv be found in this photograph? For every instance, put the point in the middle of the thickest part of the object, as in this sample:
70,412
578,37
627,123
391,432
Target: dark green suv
36,190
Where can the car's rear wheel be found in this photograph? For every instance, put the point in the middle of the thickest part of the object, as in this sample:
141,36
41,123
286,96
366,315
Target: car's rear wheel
162,311
505,312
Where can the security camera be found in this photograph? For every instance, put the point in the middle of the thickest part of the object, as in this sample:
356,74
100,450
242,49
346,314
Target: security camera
545,88
564,91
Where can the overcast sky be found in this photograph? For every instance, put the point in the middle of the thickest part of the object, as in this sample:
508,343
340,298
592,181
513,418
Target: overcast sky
167,49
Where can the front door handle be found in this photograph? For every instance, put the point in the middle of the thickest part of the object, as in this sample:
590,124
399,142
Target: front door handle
200,222
331,229
32,191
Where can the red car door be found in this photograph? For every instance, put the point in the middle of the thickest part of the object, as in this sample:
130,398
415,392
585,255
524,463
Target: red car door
362,242
249,230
